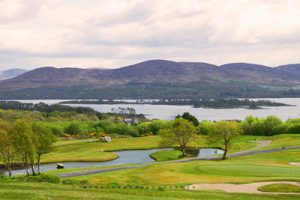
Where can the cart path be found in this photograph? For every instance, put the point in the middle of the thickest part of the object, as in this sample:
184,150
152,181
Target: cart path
250,188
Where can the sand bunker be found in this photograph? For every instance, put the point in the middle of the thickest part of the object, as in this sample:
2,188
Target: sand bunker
240,188
295,163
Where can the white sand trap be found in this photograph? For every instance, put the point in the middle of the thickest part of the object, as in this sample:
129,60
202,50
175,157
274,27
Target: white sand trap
240,188
295,163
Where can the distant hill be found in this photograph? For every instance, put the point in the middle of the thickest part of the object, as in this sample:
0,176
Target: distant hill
156,79
11,73
292,68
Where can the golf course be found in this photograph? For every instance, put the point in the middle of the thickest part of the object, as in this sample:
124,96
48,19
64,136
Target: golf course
176,179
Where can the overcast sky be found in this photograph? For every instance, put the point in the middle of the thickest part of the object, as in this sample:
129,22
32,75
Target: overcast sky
115,33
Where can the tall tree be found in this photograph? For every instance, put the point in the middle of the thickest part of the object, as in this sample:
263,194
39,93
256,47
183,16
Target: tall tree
44,141
24,143
180,134
224,132
7,150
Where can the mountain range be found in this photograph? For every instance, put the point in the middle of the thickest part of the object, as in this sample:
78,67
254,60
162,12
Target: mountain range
156,79
11,73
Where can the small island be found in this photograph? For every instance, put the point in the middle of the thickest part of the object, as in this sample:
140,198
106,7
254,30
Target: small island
197,103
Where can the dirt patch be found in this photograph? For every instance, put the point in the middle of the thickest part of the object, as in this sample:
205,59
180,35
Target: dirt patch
240,188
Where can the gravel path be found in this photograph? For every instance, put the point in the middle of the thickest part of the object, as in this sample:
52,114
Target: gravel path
250,188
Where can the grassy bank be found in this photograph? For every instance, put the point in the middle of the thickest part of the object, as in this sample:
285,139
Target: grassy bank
41,191
286,188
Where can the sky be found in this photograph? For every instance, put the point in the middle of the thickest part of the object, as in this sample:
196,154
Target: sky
116,33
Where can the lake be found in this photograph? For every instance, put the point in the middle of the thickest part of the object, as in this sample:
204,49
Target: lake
168,112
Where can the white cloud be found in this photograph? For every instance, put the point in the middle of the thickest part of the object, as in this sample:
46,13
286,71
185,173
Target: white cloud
114,33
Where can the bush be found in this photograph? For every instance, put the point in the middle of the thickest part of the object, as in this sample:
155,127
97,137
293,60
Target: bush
268,126
74,128
204,127
131,130
43,179
49,179
294,128
57,131
74,182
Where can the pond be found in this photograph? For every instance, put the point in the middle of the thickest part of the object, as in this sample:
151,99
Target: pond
125,157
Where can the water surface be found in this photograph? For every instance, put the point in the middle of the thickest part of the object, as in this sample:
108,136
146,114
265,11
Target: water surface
125,157
168,112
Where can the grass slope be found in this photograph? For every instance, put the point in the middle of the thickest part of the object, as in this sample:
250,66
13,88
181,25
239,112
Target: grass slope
41,191
288,188
284,140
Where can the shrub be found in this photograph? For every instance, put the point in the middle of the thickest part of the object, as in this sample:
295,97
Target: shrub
74,128
294,128
74,182
57,131
43,179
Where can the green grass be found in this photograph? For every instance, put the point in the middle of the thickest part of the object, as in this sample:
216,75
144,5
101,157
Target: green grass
286,188
245,142
260,167
45,191
72,170
275,158
284,140
166,155
195,172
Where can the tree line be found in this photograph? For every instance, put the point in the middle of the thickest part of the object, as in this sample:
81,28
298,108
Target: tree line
24,142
